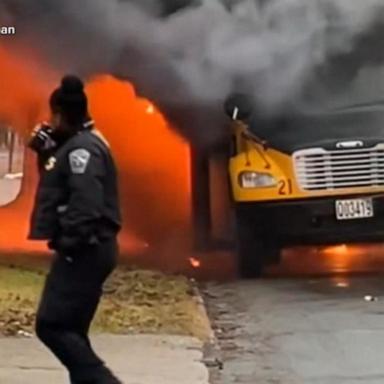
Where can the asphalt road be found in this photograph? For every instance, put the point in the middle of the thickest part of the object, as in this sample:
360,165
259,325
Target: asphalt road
303,325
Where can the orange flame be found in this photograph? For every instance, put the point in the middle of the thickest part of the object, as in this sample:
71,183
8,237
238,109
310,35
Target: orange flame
195,262
340,250
153,161
23,91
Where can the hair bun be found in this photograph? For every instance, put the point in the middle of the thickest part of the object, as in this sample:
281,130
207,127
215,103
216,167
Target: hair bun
72,84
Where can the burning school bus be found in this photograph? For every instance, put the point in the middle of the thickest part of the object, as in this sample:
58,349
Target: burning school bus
315,178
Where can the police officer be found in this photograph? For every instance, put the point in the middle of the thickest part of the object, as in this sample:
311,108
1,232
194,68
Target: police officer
77,211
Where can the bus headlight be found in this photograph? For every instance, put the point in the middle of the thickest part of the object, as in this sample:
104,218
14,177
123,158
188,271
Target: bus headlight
250,180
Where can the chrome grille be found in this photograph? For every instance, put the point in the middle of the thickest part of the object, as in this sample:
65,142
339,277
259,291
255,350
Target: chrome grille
320,169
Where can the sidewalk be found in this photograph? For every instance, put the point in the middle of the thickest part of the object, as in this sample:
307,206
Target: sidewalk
135,359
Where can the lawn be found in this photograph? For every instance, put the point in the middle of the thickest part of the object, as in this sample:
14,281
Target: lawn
135,301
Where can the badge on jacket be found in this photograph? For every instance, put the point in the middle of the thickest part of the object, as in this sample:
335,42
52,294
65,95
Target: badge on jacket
79,160
50,164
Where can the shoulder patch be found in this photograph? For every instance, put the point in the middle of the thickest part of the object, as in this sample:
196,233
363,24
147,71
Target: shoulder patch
79,160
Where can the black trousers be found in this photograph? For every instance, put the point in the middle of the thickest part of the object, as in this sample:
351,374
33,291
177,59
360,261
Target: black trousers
70,298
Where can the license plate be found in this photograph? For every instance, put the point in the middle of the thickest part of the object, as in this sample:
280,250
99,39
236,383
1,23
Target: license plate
354,209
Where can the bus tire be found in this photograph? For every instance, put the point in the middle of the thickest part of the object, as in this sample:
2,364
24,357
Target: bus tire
250,248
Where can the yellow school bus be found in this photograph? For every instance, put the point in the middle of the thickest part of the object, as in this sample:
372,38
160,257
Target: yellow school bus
307,178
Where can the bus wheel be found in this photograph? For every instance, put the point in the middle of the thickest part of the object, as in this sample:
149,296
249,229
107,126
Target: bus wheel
250,248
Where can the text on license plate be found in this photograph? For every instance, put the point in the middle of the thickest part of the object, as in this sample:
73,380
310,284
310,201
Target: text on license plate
354,209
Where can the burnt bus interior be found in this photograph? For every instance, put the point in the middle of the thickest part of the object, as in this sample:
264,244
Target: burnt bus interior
211,201
11,164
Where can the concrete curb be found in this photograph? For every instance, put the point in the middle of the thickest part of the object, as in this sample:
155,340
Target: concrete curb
212,356
203,309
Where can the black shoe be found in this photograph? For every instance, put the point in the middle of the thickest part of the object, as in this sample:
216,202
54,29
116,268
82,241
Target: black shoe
102,376
109,378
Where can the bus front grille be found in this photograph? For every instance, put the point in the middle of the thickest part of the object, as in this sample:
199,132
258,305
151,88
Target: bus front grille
320,169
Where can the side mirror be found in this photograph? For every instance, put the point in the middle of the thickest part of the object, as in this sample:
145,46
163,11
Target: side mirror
239,106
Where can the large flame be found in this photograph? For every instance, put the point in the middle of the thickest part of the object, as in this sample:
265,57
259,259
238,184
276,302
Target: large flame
153,161
23,90
22,97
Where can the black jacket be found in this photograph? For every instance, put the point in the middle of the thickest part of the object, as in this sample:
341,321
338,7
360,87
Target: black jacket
77,195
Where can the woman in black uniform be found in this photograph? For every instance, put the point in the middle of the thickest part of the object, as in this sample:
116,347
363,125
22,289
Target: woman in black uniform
77,211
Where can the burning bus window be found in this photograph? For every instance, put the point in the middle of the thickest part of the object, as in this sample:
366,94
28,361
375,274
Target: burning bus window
11,164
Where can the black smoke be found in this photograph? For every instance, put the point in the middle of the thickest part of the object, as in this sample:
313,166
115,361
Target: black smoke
189,55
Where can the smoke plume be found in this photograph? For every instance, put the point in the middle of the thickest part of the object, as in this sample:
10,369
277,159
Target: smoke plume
188,56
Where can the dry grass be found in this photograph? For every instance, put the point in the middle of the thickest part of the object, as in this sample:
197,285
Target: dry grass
19,292
135,302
